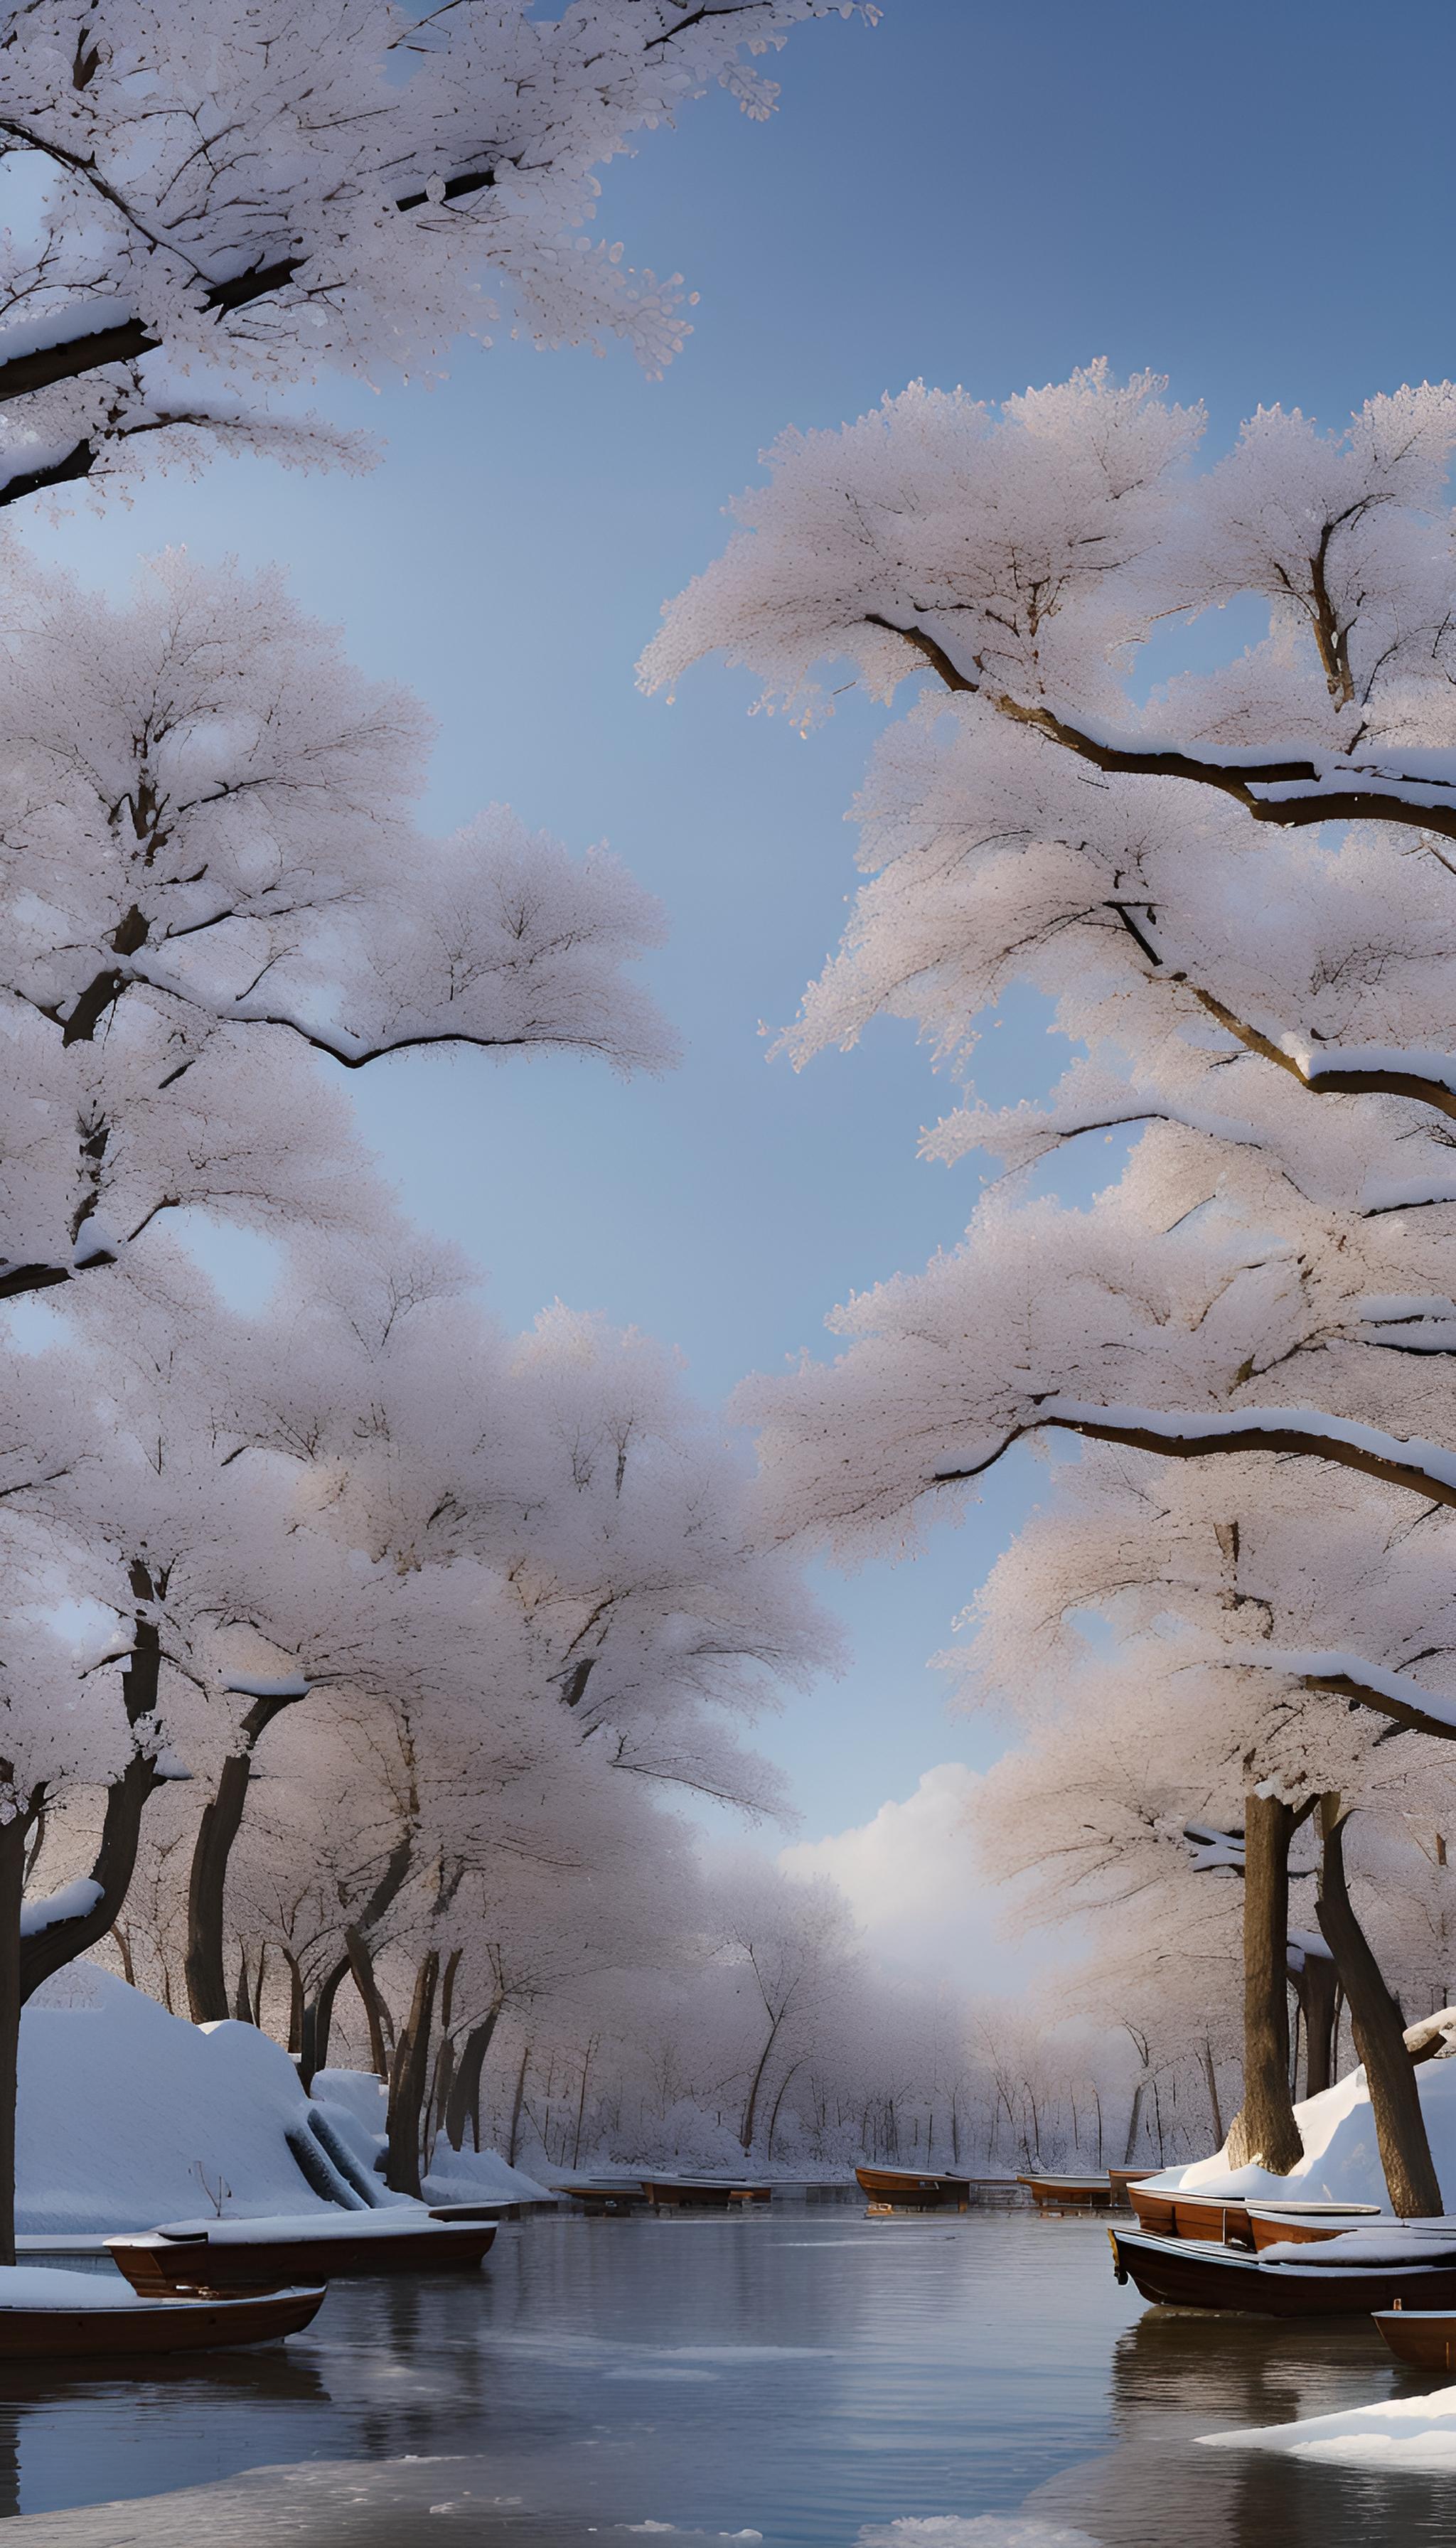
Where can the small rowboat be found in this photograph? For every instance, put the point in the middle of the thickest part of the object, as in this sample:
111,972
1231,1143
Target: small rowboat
1069,2193
1425,2337
702,2193
263,2256
605,2199
1192,2216
905,2189
1185,2273
1286,2225
94,2317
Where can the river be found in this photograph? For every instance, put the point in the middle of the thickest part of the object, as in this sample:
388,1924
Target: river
802,2374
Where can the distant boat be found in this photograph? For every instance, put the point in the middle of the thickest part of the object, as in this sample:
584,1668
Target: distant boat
1276,2225
605,2197
1185,2273
105,2320
261,2255
1121,2178
906,2189
702,2193
1069,2193
1425,2337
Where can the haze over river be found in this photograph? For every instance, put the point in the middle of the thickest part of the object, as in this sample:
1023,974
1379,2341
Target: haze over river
802,2374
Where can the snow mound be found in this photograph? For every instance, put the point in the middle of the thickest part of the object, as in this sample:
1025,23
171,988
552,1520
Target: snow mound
128,2116
354,2102
1400,2435
986,2530
1341,2161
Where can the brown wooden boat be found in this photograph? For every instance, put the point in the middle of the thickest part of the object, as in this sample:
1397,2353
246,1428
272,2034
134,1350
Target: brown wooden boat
1298,2225
1184,2273
1069,2193
1120,2178
702,2193
1423,2336
907,2188
165,2325
257,2256
1191,2216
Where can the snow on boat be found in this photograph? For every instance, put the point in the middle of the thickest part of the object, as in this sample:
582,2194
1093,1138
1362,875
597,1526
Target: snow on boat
908,2189
1069,2193
1425,2337
260,2256
1192,2216
1358,2272
47,2313
705,2192
1304,2224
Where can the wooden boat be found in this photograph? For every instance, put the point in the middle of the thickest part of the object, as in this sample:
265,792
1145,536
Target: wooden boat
906,2189
702,2193
605,2199
504,2209
263,2256
1299,2224
1121,2178
80,2328
1423,2336
1069,2193
1186,2273
1191,2216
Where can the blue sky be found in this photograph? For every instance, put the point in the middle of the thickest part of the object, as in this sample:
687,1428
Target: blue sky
1248,198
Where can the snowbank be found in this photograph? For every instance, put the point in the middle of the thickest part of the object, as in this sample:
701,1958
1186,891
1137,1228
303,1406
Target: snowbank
1341,2161
127,2116
354,2101
1400,2435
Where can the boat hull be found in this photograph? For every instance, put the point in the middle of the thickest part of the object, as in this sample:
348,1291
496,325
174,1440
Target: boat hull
1302,2231
155,2266
895,2189
1186,2274
603,2201
683,2194
1427,2338
1179,2216
1069,2193
159,2326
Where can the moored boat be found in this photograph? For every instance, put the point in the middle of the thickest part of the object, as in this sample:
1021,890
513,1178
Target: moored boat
605,2197
908,2189
1069,2193
1425,2337
261,2255
1191,2216
96,2316
702,2193
1186,2273
1298,2225
1121,2178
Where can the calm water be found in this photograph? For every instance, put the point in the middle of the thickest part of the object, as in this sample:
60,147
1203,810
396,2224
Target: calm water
801,2375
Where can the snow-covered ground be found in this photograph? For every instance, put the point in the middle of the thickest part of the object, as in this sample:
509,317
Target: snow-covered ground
1341,2161
1400,2435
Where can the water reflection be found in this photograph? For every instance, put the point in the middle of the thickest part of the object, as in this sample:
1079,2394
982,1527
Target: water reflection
801,2373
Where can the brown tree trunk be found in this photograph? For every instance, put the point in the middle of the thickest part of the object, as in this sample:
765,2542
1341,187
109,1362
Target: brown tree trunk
1318,1986
13,1837
361,1966
1380,2036
1264,2128
242,2007
221,1820
295,2002
1211,2076
521,2098
408,2080
463,2101
318,2022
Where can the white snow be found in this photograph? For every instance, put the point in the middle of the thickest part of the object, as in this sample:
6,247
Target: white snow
1327,1664
71,1902
1402,1451
1398,2435
261,1685
408,2223
125,2110
983,2530
354,2102
1341,2161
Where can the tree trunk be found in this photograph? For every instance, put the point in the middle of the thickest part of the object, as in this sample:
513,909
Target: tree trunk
13,1836
750,2111
222,1818
361,1966
1317,1985
295,2002
1264,2128
1211,2076
1380,2039
242,2007
318,2022
408,2080
521,2098
463,2101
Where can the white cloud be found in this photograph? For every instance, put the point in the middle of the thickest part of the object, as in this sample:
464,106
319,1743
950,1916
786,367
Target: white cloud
914,1883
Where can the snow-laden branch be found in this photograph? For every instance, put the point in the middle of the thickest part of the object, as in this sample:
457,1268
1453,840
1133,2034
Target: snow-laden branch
1423,1467
1353,1677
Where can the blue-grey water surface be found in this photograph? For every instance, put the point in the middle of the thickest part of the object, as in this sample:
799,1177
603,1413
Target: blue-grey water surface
800,2374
